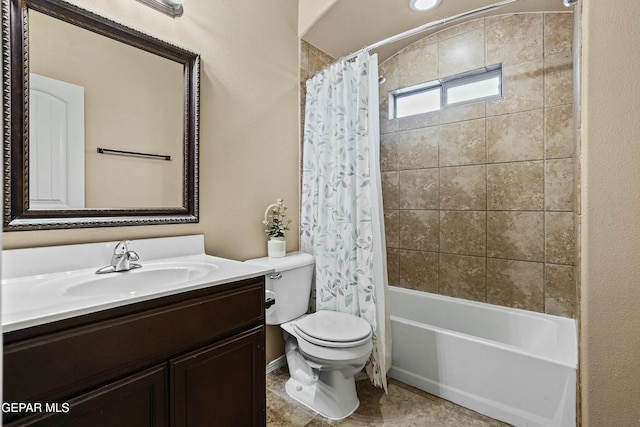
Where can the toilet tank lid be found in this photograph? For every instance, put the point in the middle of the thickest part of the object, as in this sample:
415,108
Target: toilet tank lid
288,262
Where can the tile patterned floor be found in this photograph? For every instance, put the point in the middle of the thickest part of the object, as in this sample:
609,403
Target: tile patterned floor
404,406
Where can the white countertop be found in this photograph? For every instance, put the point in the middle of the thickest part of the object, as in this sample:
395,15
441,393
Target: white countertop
38,284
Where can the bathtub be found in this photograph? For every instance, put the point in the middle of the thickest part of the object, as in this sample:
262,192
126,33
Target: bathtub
512,365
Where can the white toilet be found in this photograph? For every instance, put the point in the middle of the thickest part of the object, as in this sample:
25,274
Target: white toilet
324,350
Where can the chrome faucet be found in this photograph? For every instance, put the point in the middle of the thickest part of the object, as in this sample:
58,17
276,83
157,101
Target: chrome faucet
121,259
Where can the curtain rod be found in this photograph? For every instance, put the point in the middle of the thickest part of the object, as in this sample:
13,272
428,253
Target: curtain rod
429,26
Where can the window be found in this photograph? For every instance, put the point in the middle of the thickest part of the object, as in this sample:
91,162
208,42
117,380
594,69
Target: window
480,87
474,86
419,101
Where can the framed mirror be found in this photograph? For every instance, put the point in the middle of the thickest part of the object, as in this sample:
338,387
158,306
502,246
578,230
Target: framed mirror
101,121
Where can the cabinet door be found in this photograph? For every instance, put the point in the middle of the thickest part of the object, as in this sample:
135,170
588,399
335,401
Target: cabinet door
222,384
139,400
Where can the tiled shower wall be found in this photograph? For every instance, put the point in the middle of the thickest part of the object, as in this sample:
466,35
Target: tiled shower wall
312,61
479,199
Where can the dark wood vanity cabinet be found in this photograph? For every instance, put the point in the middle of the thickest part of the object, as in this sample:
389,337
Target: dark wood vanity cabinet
195,402
190,359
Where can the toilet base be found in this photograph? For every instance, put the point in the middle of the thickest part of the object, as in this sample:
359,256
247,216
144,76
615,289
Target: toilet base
331,394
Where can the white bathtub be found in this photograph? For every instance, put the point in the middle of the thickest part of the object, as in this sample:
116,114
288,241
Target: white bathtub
512,365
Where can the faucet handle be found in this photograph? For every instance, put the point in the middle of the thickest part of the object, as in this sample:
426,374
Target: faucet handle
122,247
133,256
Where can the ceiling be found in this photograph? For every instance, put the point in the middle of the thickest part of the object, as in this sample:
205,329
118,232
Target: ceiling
349,25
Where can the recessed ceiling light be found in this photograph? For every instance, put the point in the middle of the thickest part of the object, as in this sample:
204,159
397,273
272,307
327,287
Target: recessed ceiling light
422,5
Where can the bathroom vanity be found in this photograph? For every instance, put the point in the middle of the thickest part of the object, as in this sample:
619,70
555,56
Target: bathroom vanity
188,356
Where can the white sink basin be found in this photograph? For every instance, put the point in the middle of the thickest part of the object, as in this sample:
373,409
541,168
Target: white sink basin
47,284
137,282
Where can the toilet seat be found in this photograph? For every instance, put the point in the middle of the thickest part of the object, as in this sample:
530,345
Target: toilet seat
333,329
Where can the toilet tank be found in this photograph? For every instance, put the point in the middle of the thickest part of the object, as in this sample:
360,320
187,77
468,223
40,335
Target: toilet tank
289,285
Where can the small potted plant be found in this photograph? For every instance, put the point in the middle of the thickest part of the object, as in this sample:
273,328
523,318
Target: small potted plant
276,224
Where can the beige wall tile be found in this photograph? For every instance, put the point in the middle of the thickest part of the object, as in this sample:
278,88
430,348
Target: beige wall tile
389,152
558,79
559,187
419,230
516,235
523,89
516,284
391,190
559,132
393,266
418,121
558,32
418,270
515,39
461,53
304,61
463,232
560,239
389,70
462,143
492,20
457,30
463,188
312,60
392,228
512,156
418,148
515,137
462,113
560,290
318,60
386,125
419,64
419,189
515,186
463,277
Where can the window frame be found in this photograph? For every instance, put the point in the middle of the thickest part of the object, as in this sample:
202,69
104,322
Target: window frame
445,83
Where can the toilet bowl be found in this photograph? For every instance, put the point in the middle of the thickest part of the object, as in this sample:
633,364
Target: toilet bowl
322,369
324,350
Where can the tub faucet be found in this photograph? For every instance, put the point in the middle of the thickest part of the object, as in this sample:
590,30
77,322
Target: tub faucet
121,259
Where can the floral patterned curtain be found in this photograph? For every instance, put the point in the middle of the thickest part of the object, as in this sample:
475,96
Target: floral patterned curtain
342,223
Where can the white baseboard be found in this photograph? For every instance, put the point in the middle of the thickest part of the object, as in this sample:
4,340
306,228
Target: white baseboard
277,363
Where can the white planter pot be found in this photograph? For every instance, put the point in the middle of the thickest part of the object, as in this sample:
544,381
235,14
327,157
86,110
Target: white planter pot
276,248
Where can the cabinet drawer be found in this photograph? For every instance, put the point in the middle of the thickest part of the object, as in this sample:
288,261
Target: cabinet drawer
138,400
65,363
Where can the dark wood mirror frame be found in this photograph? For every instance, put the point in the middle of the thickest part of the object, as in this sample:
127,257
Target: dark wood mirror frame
15,84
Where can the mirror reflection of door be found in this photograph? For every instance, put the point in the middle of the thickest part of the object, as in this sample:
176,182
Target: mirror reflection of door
56,144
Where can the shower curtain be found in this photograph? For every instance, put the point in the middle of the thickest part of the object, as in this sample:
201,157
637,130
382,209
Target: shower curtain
342,220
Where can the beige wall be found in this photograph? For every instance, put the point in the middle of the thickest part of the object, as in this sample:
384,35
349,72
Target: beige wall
310,11
249,138
610,237
479,198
